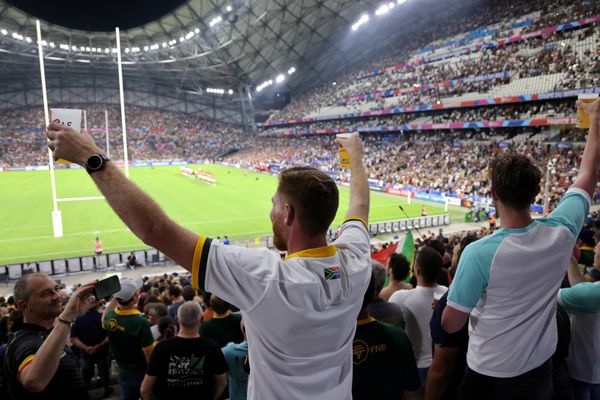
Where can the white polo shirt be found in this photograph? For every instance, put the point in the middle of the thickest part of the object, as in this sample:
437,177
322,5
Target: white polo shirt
300,313
416,310
508,282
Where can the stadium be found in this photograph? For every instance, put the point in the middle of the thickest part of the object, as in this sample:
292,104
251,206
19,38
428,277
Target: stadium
203,115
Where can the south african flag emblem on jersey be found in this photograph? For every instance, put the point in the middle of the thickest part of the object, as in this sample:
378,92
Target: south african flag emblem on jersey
332,272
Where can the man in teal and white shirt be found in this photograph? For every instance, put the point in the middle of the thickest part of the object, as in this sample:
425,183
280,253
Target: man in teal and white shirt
507,282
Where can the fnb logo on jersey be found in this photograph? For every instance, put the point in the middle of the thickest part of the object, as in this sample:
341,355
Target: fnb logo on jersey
332,272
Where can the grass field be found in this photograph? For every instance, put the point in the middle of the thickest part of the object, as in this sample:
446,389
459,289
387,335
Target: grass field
238,206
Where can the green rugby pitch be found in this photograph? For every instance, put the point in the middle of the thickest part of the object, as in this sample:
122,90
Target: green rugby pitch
237,206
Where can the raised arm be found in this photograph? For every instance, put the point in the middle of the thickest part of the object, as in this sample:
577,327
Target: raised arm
359,185
138,211
588,170
37,374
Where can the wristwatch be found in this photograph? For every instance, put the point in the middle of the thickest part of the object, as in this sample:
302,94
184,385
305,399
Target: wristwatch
96,162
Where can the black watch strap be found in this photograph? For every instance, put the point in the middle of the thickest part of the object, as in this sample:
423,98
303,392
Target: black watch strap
95,163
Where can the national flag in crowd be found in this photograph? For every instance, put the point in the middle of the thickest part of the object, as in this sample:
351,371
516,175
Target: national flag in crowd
404,246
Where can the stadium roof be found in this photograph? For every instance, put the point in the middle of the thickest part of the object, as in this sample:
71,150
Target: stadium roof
201,44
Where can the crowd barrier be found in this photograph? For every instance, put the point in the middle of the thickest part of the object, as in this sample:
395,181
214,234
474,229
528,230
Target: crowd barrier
76,265
150,257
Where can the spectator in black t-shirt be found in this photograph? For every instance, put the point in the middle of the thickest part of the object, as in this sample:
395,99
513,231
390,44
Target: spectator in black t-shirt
224,326
449,349
186,366
380,309
87,335
38,364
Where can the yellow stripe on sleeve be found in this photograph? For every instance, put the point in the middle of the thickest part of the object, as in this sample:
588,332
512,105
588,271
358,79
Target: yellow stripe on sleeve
355,218
196,262
150,346
25,363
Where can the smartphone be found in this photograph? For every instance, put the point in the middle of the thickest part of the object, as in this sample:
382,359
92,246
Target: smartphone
107,287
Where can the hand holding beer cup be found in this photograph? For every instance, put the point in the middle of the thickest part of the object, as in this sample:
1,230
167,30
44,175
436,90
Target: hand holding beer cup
350,147
588,108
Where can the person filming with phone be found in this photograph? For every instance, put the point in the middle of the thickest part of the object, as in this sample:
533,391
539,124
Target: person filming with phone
38,364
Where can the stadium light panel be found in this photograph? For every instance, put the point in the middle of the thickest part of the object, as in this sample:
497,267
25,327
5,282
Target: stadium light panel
362,20
106,50
401,1
181,39
280,78
146,48
52,44
291,70
189,35
4,32
64,46
164,45
86,49
229,8
127,50
384,9
197,30
44,43
28,39
74,48
230,91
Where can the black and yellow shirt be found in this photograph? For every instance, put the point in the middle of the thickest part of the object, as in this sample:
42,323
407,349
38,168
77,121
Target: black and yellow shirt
21,352
129,336
384,363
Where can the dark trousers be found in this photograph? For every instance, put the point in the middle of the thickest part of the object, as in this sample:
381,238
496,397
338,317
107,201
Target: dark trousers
533,385
130,386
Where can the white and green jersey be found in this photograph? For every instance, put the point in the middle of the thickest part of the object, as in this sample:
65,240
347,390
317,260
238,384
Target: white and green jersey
508,281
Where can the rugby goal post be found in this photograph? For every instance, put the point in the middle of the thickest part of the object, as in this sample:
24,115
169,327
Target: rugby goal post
57,225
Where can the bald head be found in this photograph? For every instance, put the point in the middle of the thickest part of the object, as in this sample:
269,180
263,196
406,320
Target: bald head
189,314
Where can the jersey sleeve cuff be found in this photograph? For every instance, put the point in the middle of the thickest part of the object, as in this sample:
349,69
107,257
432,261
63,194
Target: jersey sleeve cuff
200,261
356,218
456,306
583,193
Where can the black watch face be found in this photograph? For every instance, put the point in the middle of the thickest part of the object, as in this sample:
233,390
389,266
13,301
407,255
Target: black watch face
94,162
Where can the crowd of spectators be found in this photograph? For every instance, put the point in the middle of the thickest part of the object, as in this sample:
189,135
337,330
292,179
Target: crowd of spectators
152,135
410,306
537,56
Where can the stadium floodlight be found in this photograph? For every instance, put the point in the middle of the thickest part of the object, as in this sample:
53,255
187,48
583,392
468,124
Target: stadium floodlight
189,35
52,44
86,49
146,48
382,10
106,50
291,70
228,8
215,21
181,39
64,46
28,39
197,30
74,48
230,91
362,20
126,49
401,1
164,45
4,32
280,78
44,43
